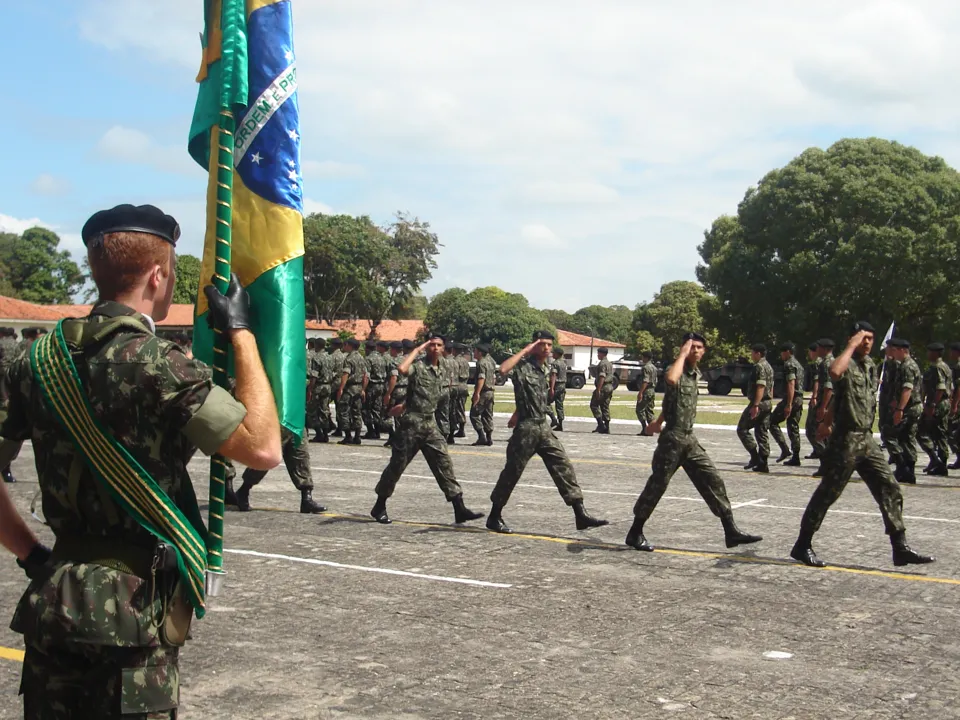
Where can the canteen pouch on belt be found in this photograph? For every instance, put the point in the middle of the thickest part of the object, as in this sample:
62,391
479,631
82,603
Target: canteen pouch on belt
177,611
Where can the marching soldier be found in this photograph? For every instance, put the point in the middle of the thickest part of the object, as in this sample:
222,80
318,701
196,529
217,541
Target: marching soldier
678,447
558,385
481,409
396,389
153,408
460,389
603,392
937,396
824,390
647,392
377,364
790,408
351,393
810,428
906,399
297,459
417,432
847,428
953,429
756,416
888,380
532,435
445,402
321,377
337,357
8,353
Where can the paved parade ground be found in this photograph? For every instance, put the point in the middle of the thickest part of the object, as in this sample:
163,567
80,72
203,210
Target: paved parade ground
338,617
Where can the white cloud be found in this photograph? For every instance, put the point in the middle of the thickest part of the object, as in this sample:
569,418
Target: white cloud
50,185
16,226
128,145
629,126
540,236
315,206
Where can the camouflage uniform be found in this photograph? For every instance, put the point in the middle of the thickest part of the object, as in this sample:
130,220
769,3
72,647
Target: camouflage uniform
932,431
377,365
533,435
90,628
295,457
813,371
762,377
851,447
600,401
350,406
8,353
888,379
460,393
902,440
337,358
792,370
559,368
678,447
824,383
399,393
648,375
417,432
481,412
321,372
953,425
448,367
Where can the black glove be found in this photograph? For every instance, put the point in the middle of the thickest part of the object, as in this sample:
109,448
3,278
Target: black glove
36,561
230,311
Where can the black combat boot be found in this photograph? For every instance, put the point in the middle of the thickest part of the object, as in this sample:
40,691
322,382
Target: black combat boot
955,465
784,453
356,438
814,455
584,519
461,513
635,538
939,470
229,495
337,433
309,506
643,429
559,427
495,520
379,511
605,430
489,440
346,438
761,466
734,536
369,435
450,439
481,439
243,497
754,460
599,427
794,461
803,550
461,432
819,471
321,437
908,474
7,475
903,555
894,459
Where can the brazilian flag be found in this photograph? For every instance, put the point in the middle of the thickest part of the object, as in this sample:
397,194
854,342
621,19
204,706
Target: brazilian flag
249,67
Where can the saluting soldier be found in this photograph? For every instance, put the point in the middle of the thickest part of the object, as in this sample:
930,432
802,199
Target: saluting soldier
790,408
756,416
937,395
481,409
678,448
417,432
647,392
351,393
155,408
907,405
603,392
847,428
558,385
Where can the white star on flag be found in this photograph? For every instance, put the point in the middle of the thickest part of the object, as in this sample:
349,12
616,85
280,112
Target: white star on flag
292,163
293,186
293,135
288,55
292,174
256,158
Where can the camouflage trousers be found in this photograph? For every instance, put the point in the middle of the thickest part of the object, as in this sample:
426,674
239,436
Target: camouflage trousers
760,426
559,395
902,438
443,413
481,412
534,437
350,408
398,396
600,403
678,449
953,433
885,421
932,433
297,460
418,433
373,408
459,413
79,682
793,425
845,453
811,431
645,407
318,409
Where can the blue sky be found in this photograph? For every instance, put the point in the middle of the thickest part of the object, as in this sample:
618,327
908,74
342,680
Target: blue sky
571,151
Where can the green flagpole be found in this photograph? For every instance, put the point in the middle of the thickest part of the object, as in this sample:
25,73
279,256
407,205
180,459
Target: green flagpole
221,343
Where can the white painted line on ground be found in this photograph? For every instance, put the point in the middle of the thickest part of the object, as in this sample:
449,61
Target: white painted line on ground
362,568
748,502
864,514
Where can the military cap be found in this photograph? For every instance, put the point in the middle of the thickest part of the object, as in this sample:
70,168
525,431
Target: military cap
33,332
131,218
646,354
825,343
370,343
7,332
352,342
759,347
396,345
955,346
543,335
861,325
483,347
320,342
448,344
693,336
557,350
337,342
812,347
935,347
382,344
602,351
787,347
408,345
899,343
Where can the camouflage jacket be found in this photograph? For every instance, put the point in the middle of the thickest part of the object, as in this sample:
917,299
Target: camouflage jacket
8,353
487,369
463,371
530,388
937,377
559,368
451,368
762,377
855,397
825,382
793,370
908,378
605,371
337,358
680,401
395,362
425,385
648,375
355,366
321,368
377,368
888,379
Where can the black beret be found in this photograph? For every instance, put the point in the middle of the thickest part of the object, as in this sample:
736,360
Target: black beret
352,342
448,344
543,335
370,343
825,343
337,342
436,336
787,347
557,350
647,354
935,347
602,350
320,342
131,218
861,325
483,347
383,344
899,343
759,347
408,344
396,345
812,346
693,336
955,346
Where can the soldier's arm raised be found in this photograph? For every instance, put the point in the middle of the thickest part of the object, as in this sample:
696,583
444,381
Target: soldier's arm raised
674,372
410,359
511,362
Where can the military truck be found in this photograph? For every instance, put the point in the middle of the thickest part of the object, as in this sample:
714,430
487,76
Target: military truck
724,378
628,372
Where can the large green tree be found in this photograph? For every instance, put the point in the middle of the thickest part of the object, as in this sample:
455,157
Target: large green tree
188,279
868,229
35,269
488,314
610,323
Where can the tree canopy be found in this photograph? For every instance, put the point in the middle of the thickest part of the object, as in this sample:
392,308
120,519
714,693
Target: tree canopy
33,268
610,323
868,229
188,279
488,314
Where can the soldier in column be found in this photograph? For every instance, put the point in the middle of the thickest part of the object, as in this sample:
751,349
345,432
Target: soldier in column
647,392
558,385
481,410
297,460
937,396
953,428
321,377
528,370
603,392
888,376
906,398
8,353
847,428
377,363
790,408
810,428
824,392
417,432
445,401
311,352
351,393
337,356
397,382
756,416
461,389
678,448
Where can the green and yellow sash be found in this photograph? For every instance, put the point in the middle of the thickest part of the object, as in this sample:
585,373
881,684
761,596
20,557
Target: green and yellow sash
115,468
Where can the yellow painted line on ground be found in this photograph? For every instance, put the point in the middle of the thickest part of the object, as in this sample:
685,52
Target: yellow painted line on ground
889,575
11,654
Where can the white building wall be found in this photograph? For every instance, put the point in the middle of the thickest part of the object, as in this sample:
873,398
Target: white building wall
578,356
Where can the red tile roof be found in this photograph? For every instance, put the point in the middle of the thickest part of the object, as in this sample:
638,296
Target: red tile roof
570,338
388,330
